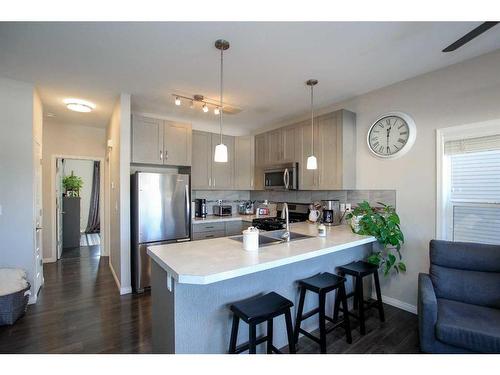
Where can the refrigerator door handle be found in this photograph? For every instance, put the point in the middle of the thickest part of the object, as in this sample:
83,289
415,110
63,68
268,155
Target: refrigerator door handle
187,209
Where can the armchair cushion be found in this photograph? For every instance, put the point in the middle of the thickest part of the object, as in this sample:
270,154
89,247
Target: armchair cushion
473,327
466,272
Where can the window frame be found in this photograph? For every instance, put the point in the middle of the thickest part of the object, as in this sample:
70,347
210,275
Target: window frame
444,208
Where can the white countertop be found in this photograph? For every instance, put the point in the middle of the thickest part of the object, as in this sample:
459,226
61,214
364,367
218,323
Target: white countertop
221,219
213,260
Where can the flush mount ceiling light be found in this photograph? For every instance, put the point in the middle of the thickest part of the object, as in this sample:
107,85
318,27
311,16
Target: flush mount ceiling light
79,105
220,155
312,162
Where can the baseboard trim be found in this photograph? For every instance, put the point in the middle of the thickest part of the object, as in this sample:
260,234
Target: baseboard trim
123,290
397,303
115,277
49,260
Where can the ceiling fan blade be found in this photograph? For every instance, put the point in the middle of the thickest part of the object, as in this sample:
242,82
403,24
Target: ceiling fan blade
485,26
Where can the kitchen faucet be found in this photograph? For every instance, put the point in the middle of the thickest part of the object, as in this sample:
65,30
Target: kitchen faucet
284,215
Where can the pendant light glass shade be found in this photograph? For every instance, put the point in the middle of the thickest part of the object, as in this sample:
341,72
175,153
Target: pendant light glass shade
220,155
312,162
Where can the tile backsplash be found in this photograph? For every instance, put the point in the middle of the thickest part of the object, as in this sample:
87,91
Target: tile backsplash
304,196
232,197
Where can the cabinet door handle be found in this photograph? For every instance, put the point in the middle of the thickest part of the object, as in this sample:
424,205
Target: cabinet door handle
166,154
214,181
209,181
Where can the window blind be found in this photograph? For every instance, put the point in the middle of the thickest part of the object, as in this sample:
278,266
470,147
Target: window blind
469,145
475,177
476,224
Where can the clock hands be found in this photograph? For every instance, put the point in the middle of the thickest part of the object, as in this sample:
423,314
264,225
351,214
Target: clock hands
388,131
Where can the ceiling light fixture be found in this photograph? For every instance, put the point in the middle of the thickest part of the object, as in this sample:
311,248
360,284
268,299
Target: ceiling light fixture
216,111
220,155
191,105
177,100
205,108
312,162
79,105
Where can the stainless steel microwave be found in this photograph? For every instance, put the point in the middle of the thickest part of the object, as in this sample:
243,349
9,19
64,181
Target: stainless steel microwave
281,177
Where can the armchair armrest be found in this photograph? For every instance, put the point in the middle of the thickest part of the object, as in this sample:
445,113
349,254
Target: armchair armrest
427,312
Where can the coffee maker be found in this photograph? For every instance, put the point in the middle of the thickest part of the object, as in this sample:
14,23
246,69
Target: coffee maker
331,212
200,208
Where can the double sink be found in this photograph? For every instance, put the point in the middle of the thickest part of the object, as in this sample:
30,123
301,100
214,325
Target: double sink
275,237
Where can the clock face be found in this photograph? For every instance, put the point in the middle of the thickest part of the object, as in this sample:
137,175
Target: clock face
390,135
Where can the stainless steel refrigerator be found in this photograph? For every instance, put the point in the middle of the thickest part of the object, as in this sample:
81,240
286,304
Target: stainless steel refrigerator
160,214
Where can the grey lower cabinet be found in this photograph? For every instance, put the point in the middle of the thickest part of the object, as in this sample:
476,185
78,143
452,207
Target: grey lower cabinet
160,142
206,231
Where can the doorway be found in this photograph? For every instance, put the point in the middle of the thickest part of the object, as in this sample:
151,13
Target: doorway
78,207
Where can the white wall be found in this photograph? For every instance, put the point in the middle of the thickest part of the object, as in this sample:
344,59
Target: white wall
64,140
85,170
118,180
17,114
460,94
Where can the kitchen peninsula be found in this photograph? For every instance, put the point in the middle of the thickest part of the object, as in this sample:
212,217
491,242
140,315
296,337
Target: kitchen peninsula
193,284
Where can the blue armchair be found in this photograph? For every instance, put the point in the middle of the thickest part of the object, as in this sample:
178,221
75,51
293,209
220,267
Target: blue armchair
459,300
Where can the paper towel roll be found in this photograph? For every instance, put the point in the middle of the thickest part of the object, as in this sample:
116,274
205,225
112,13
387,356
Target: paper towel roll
251,239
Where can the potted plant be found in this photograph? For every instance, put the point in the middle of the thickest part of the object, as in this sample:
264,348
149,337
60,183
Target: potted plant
72,185
383,223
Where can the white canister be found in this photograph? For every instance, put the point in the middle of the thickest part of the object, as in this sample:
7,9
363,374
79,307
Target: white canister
251,239
322,230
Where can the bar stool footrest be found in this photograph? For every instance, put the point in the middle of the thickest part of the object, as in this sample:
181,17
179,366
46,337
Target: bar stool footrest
246,345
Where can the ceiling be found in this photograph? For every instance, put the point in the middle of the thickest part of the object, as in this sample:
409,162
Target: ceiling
265,68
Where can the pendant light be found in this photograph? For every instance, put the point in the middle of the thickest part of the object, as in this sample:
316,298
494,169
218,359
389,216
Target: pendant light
220,155
312,162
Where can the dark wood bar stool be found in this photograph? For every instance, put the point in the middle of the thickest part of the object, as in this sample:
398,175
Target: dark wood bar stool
358,270
258,310
321,284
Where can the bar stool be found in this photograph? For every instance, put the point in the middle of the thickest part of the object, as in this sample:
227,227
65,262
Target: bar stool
358,270
321,284
258,310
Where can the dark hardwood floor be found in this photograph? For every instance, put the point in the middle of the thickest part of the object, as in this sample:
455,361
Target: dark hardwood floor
79,310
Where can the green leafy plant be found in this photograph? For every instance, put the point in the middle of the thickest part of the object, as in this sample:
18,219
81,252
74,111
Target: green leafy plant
383,223
72,184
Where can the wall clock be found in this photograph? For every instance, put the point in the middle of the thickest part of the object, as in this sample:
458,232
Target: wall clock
392,135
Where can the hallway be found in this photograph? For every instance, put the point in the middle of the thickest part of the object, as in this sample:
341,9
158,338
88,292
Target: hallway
79,310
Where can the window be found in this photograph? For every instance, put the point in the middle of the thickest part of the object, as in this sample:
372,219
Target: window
471,180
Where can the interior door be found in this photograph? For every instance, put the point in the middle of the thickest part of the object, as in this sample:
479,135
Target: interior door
59,210
37,214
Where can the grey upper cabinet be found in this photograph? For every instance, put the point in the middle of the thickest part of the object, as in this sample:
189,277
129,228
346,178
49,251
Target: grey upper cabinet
223,173
177,140
205,173
244,163
274,147
291,143
201,170
160,142
334,148
261,150
147,140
